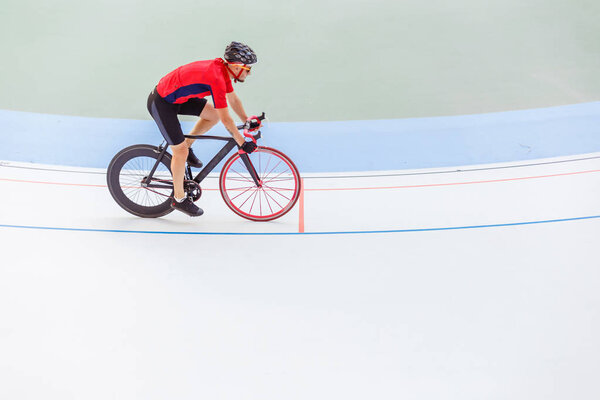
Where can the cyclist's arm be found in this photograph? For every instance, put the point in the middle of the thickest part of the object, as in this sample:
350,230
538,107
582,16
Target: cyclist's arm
236,105
229,124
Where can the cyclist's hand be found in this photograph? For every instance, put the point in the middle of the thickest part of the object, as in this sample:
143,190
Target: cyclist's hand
253,123
248,147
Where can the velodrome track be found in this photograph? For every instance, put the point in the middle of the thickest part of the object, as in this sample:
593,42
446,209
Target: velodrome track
445,247
331,203
469,282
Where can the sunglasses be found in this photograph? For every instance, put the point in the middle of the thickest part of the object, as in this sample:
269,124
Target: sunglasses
243,66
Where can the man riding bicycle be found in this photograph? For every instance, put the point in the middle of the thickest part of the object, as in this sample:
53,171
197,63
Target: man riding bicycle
183,92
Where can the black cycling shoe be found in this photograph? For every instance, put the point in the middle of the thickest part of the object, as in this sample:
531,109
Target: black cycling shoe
187,207
192,160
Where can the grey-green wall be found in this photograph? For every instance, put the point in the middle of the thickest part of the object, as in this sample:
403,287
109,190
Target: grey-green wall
318,59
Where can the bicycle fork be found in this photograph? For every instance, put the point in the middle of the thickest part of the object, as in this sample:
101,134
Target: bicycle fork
251,169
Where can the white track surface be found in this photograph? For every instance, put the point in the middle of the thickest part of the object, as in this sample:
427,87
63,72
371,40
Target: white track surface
98,304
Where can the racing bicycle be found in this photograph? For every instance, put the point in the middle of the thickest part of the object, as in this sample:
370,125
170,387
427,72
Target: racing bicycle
259,186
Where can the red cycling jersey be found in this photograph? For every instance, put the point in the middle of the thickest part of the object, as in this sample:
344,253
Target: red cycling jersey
197,79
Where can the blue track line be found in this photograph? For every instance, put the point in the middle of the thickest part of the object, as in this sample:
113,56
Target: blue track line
301,233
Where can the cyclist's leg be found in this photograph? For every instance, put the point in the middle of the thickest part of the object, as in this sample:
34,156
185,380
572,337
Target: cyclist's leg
180,153
208,118
165,116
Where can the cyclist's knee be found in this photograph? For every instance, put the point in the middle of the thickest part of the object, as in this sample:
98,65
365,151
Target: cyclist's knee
180,150
209,114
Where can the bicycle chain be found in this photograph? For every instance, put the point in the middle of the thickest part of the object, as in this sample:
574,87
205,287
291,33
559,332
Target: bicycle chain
191,188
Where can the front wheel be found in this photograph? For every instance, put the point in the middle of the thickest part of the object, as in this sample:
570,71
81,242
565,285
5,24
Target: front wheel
126,178
277,192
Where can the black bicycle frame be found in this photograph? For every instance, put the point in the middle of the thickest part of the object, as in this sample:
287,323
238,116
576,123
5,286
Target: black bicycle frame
229,145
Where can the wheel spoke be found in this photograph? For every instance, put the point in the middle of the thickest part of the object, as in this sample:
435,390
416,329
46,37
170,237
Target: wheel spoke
249,179
250,188
277,176
285,197
272,169
245,201
275,188
240,180
276,202
280,180
131,175
269,203
266,168
253,200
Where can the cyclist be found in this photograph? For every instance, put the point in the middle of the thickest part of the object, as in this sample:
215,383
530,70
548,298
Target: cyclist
183,92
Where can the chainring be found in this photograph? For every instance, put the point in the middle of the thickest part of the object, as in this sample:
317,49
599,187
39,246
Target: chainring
192,189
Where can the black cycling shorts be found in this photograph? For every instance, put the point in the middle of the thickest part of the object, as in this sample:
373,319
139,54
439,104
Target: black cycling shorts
165,115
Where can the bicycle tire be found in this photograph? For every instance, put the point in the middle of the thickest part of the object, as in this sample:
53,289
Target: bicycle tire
267,202
124,178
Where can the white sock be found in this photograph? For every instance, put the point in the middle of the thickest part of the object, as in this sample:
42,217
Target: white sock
179,200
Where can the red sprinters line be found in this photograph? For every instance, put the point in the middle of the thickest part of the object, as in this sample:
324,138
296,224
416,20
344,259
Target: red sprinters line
353,188
50,183
73,184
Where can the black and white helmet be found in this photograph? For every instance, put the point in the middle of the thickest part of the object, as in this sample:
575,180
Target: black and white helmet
239,53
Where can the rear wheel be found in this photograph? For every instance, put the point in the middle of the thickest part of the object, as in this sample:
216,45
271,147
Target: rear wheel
126,178
277,192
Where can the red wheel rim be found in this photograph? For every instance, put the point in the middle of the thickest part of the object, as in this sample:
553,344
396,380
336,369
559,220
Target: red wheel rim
274,198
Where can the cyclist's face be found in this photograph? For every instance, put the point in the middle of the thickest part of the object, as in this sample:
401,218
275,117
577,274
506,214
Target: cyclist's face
243,75
244,69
